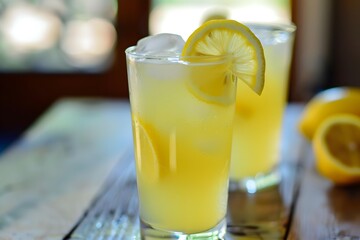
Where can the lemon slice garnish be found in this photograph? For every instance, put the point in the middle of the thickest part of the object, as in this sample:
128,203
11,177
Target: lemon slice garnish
235,40
211,82
147,160
337,148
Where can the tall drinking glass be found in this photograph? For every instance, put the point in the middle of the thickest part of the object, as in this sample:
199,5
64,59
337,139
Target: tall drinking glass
182,136
258,120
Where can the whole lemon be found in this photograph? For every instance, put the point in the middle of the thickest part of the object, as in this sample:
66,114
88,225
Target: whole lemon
327,103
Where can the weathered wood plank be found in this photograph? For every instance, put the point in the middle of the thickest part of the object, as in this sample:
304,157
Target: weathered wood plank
114,213
324,211
50,176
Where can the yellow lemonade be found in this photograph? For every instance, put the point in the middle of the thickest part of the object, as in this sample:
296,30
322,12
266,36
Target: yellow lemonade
258,119
182,139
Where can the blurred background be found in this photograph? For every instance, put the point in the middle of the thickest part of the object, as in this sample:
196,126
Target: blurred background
50,49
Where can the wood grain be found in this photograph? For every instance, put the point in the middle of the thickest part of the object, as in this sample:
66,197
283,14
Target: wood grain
114,213
72,176
50,176
323,210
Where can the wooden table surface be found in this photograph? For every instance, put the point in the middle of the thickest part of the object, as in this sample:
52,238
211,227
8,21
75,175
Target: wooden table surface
71,176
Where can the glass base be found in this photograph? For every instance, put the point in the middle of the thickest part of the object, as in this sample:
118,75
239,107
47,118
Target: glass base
147,232
254,184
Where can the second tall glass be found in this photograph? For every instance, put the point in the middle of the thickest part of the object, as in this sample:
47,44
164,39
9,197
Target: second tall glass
258,120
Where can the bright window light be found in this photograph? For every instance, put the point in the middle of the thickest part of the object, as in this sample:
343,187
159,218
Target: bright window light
180,18
27,28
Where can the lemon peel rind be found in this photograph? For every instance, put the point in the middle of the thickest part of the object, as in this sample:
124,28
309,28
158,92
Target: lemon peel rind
255,82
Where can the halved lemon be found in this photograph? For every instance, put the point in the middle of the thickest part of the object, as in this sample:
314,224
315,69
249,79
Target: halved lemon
147,160
230,39
337,148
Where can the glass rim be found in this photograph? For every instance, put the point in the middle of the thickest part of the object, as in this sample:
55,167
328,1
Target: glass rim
270,27
131,51
286,27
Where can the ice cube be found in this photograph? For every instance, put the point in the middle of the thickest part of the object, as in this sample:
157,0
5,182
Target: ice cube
163,44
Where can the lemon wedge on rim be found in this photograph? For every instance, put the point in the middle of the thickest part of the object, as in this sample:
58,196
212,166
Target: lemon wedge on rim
337,148
231,39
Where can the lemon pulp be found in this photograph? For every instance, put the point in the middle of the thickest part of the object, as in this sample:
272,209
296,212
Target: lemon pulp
337,148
